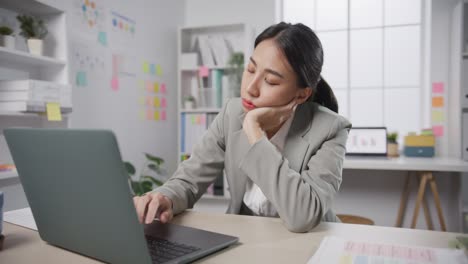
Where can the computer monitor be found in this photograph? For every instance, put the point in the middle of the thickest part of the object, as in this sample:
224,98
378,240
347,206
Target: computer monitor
367,141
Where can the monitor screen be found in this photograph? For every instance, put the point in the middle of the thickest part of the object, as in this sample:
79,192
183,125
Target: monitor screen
367,141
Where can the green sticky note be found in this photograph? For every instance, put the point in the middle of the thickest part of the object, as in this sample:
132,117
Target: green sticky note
81,79
145,67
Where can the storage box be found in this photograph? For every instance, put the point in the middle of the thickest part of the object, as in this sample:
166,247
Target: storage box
425,152
420,141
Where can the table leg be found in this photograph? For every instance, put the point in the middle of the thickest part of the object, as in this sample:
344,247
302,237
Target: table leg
403,201
437,201
422,187
427,213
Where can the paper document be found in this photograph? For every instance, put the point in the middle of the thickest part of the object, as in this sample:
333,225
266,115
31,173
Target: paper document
344,251
21,217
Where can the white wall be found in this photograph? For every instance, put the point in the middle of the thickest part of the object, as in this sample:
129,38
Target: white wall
259,13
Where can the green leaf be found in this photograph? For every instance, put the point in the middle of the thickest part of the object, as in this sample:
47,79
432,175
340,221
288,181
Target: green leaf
146,186
155,181
137,189
155,168
155,159
129,167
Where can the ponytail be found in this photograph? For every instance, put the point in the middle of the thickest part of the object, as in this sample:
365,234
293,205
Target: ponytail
324,96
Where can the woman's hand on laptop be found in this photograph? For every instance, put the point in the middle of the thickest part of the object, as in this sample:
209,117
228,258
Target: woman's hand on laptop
153,205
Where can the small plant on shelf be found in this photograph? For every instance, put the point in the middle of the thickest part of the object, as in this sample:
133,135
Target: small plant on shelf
7,38
34,30
189,102
152,175
235,71
392,144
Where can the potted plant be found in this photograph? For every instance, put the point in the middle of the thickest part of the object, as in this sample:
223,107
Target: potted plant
152,175
7,38
34,31
189,102
235,71
392,144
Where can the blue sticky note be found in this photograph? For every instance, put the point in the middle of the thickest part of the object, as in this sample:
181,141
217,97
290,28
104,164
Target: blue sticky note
153,69
102,37
81,79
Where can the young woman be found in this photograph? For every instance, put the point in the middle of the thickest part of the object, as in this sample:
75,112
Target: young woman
281,144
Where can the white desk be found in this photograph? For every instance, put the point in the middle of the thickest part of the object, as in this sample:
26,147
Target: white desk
261,240
422,169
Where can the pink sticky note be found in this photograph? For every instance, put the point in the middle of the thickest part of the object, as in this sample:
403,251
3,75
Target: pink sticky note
438,131
163,115
115,84
163,102
149,86
149,114
149,101
438,87
163,88
203,71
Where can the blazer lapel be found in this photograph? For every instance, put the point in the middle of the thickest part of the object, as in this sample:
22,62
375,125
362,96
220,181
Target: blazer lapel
295,147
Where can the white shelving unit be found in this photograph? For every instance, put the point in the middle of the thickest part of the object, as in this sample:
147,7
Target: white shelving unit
241,38
18,63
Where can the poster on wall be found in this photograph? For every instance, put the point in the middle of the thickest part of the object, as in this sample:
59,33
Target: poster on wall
89,16
88,64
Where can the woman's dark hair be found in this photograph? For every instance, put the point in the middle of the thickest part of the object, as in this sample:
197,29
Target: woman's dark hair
304,53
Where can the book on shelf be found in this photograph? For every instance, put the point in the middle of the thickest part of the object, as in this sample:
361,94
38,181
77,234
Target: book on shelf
215,50
32,95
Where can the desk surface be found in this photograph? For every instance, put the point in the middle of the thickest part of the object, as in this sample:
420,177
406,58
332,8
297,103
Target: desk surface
262,240
406,164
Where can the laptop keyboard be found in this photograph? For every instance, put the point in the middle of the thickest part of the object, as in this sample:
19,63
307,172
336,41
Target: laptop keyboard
162,250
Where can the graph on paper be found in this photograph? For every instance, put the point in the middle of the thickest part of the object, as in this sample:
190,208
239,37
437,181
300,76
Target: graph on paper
342,251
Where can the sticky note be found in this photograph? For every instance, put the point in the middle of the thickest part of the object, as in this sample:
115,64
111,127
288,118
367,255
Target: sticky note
156,115
159,71
438,101
149,114
203,71
198,120
163,102
102,38
163,115
149,86
145,67
81,79
156,87
153,69
163,88
437,116
438,87
149,101
156,102
53,112
438,131
346,259
115,83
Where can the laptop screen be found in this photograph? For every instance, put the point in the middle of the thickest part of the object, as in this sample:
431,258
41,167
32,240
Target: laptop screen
367,141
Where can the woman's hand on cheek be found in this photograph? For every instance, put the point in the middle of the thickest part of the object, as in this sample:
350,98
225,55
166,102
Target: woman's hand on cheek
263,119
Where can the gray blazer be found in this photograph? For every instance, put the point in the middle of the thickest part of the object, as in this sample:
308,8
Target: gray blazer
300,183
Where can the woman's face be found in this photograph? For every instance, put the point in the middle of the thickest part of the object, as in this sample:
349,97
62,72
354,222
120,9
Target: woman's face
269,80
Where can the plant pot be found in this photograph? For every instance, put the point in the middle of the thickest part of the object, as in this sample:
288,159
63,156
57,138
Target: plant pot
189,105
35,46
392,150
7,41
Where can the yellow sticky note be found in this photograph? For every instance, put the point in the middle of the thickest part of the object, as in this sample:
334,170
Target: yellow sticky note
156,102
159,70
156,115
156,87
53,112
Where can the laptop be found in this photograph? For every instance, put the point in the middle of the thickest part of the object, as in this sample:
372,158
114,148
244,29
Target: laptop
78,191
367,142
